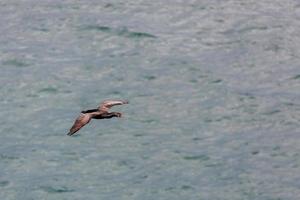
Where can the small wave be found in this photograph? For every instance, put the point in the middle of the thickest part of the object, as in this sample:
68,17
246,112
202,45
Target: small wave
148,121
15,62
150,77
272,112
97,28
51,189
48,90
245,30
4,183
118,31
253,28
140,35
296,77
197,157
186,187
7,157
217,81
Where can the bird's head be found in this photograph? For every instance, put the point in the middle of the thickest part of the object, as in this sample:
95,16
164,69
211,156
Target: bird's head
117,114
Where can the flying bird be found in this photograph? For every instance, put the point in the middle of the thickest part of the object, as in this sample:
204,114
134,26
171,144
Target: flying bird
100,113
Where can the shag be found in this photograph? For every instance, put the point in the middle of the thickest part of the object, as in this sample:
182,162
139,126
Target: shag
100,113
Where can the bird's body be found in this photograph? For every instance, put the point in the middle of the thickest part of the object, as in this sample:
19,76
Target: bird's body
100,113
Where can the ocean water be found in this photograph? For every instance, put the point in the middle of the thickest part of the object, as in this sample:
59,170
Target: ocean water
214,91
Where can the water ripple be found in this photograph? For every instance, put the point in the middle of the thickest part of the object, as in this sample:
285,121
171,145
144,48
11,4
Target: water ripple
16,62
197,157
118,31
51,189
4,183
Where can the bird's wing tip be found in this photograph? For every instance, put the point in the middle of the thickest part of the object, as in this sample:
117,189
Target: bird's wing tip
69,134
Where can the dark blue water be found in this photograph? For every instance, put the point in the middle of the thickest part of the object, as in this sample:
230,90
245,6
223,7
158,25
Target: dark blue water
214,96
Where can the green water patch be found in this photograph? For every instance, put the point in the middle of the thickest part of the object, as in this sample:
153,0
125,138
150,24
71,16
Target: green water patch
4,157
89,67
183,187
124,32
4,183
196,139
148,121
97,28
296,77
255,152
271,112
199,138
41,29
186,187
193,81
244,30
197,157
51,189
139,35
108,5
48,90
15,62
139,135
170,189
276,152
32,95
115,92
276,148
67,91
195,69
217,81
149,77
213,164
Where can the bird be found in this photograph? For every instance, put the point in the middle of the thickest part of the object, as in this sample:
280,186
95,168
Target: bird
102,112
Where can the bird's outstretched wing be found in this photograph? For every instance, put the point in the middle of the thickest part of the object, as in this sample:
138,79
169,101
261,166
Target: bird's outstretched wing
106,105
81,120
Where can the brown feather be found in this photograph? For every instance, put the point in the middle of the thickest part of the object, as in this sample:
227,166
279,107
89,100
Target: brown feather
82,120
106,105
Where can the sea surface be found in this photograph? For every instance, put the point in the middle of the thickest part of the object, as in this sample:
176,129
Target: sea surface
214,91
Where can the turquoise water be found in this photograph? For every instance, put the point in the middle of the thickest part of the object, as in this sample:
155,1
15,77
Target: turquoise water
213,87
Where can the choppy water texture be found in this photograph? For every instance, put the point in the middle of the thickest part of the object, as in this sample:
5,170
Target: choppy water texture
213,86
